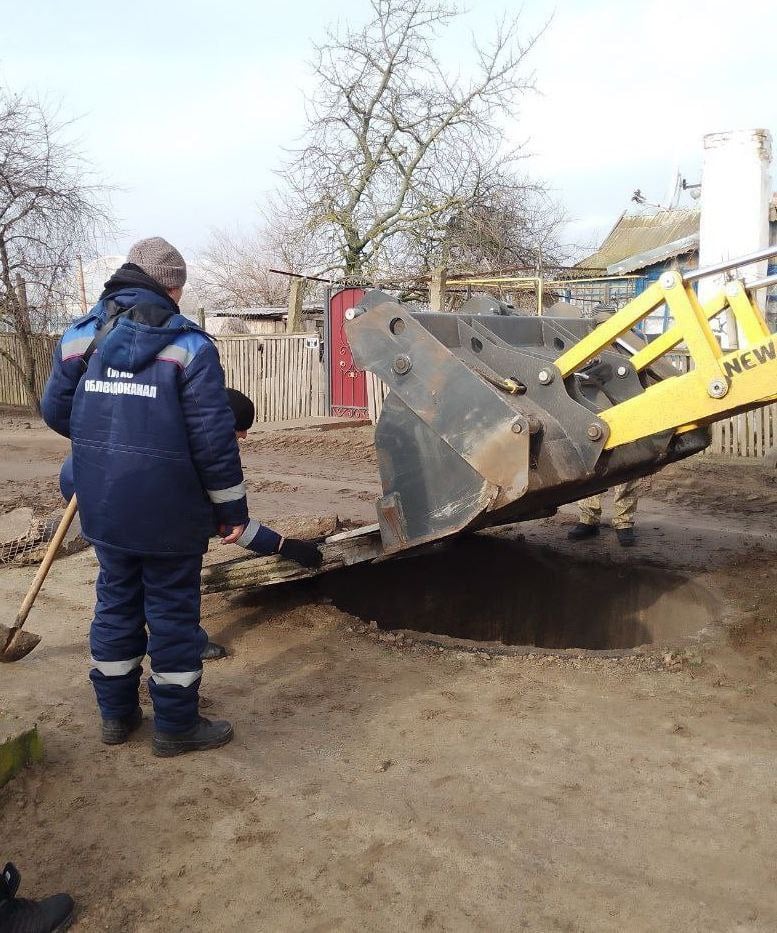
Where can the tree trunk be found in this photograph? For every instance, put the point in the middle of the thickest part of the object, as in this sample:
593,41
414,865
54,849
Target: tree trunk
23,332
30,372
352,261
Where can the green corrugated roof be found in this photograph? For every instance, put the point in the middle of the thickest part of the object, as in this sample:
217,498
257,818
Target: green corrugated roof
641,232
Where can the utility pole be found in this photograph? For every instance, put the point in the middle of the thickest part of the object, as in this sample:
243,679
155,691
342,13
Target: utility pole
294,319
437,289
81,285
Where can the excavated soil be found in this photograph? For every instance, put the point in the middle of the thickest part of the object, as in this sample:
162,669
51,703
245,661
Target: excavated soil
381,781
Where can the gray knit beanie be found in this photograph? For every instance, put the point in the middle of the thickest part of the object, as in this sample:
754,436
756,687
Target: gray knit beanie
161,260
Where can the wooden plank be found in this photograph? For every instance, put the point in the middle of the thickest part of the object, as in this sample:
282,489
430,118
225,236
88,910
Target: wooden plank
294,385
752,419
280,372
759,421
268,378
717,438
304,395
377,391
353,533
270,571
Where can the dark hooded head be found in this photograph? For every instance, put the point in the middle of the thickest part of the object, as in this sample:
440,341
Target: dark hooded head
242,408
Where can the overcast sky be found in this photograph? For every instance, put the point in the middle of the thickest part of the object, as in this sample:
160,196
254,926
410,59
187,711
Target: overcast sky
185,105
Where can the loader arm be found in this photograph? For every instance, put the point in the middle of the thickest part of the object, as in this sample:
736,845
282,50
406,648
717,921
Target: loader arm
495,418
719,383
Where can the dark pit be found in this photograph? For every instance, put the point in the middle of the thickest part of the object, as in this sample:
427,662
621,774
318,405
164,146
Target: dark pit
488,589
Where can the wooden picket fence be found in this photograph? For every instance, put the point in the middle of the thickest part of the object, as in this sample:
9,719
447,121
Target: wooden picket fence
281,375
748,436
12,391
377,390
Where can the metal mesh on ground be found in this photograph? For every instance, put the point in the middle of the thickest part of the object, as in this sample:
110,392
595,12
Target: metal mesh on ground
30,547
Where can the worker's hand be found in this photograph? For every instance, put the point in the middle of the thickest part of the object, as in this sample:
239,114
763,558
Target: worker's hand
229,534
303,552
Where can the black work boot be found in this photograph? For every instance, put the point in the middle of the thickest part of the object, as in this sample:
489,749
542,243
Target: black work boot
205,734
19,915
213,651
117,731
626,537
582,530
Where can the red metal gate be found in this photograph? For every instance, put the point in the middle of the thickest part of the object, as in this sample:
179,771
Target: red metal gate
347,384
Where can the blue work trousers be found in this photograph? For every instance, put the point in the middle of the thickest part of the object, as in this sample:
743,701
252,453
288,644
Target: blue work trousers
163,594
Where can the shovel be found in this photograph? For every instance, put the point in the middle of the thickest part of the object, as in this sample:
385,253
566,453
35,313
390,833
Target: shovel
16,642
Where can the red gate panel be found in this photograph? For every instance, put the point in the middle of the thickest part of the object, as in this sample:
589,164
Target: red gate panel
347,384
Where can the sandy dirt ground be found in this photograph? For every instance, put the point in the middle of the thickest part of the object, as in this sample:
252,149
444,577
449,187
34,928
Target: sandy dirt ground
380,782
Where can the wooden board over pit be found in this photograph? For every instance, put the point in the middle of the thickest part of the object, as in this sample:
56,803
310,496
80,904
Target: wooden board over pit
340,550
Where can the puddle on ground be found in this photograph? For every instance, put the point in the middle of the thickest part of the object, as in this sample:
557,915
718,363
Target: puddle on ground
489,589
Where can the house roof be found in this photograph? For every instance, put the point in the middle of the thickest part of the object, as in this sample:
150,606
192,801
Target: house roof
650,257
650,236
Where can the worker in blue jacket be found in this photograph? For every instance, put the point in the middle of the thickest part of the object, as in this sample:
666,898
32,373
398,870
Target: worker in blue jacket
257,537
139,390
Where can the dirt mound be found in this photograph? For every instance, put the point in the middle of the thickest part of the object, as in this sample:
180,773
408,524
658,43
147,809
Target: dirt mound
712,486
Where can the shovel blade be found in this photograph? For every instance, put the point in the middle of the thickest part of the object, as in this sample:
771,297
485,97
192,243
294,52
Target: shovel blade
18,643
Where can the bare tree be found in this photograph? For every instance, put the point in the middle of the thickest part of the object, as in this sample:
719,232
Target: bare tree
235,264
234,267
395,143
505,227
49,212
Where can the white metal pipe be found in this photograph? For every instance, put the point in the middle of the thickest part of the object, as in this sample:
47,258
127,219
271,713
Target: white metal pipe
761,283
693,275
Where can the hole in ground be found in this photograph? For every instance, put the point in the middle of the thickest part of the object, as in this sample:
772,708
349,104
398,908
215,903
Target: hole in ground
491,590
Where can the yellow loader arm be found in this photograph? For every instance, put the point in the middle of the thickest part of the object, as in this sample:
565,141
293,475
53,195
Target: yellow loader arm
719,383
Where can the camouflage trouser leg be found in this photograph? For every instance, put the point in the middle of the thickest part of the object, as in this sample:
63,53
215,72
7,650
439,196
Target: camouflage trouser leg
590,510
624,506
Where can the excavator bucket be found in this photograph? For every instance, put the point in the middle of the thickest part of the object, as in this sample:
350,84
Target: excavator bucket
481,426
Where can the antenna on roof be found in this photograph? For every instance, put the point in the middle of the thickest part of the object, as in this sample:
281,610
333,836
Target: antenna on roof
639,198
674,190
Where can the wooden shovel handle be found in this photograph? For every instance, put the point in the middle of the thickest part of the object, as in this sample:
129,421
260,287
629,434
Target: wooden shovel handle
48,560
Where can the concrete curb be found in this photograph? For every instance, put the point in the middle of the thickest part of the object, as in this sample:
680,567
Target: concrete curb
20,745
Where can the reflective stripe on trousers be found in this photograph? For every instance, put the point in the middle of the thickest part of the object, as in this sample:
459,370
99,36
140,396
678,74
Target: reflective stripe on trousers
176,678
116,668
